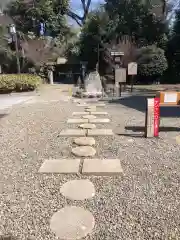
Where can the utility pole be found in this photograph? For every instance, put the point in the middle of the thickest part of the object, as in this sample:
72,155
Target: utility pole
14,35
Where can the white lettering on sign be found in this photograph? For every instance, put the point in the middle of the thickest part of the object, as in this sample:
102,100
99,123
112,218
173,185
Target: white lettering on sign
170,97
132,68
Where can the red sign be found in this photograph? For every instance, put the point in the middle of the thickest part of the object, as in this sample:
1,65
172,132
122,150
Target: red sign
156,116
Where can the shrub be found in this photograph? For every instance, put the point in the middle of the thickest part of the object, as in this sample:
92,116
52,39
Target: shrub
19,82
151,61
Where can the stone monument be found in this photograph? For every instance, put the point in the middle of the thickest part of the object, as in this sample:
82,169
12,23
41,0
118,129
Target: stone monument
92,85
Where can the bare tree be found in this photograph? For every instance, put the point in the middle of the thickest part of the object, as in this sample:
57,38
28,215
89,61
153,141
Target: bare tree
80,20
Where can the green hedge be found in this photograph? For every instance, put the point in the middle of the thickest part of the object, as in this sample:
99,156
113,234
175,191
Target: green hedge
19,82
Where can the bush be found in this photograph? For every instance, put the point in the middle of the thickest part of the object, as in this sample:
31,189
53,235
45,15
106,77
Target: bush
151,61
19,82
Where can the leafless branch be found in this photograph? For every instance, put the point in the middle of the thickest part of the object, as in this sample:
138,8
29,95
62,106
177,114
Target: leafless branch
81,20
84,5
86,10
75,17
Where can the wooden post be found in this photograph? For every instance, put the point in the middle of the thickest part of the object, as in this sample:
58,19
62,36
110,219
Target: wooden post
149,120
132,82
120,89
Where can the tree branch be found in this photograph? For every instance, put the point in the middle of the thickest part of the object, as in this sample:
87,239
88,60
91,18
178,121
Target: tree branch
80,20
84,5
75,17
86,10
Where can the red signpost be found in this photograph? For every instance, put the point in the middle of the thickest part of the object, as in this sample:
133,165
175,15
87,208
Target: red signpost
152,117
156,116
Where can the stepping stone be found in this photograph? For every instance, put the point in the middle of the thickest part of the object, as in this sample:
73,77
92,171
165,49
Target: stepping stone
90,109
85,141
93,105
72,223
89,117
80,113
97,105
73,132
102,167
82,104
75,100
99,120
84,151
78,189
77,120
60,166
87,126
100,132
99,113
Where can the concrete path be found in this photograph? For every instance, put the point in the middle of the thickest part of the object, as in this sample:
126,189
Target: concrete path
7,101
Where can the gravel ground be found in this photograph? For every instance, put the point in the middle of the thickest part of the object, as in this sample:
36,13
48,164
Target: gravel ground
142,204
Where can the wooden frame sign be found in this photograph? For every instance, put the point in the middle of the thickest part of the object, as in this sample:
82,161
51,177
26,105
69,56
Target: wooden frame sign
120,75
169,98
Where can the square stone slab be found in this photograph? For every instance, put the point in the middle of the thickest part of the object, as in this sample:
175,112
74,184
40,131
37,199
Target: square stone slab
92,105
90,109
102,167
77,120
99,113
100,132
60,166
73,132
80,113
99,120
82,105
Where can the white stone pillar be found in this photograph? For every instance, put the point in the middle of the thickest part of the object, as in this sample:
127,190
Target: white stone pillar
50,76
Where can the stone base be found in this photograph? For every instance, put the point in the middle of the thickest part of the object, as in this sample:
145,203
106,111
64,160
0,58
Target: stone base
92,94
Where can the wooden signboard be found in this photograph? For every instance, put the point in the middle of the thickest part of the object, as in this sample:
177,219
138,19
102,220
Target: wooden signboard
169,98
120,75
132,68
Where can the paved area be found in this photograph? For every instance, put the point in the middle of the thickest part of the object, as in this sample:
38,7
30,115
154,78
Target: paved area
140,203
8,101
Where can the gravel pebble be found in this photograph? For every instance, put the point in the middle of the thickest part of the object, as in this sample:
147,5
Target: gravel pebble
142,204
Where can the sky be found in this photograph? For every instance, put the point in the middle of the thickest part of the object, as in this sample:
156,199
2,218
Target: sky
77,6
